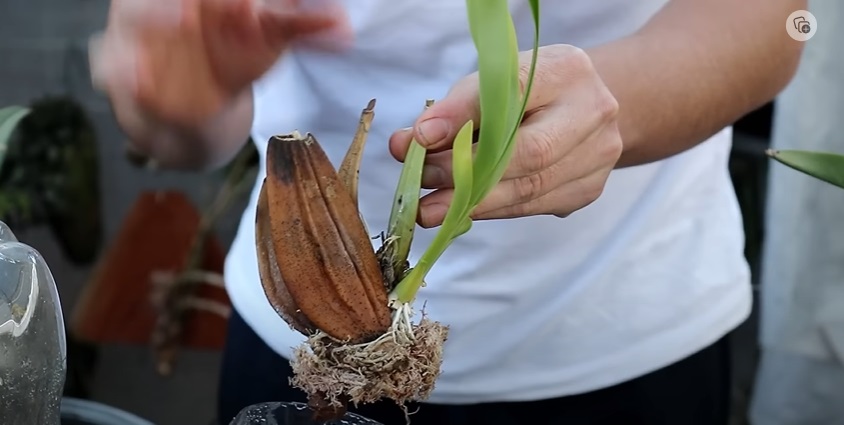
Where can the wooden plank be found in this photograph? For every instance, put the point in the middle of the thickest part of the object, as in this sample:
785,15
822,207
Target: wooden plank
156,235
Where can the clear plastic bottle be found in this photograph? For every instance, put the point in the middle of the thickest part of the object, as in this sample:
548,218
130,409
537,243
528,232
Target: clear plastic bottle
290,413
32,337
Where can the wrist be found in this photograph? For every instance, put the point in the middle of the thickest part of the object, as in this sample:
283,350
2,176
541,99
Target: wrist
616,65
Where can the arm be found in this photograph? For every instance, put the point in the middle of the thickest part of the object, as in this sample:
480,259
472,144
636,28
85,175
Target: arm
207,146
670,80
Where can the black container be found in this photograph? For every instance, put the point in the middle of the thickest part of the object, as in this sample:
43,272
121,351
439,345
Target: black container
289,413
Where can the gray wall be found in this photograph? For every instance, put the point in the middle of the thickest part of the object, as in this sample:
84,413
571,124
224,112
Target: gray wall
43,51
801,373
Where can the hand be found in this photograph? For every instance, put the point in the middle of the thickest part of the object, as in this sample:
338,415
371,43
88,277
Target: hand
565,148
183,61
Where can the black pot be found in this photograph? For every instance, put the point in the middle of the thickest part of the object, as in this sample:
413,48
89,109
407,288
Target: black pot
290,413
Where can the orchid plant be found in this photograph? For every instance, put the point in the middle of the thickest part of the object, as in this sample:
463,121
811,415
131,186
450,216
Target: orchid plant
502,107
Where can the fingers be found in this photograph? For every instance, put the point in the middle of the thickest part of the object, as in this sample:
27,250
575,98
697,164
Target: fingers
276,23
542,141
548,133
564,201
148,13
596,154
436,127
283,27
113,63
567,144
438,165
438,172
324,27
232,23
573,181
433,206
399,143
536,149
547,136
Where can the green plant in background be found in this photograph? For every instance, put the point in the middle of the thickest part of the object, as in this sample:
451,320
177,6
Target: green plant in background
49,173
10,116
13,200
824,166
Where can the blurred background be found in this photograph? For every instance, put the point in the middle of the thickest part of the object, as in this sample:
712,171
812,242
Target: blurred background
43,46
160,361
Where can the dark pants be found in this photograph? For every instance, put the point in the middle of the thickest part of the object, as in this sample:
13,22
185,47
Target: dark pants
693,391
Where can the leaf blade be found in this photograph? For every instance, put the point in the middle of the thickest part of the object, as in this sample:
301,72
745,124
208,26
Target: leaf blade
10,116
402,225
504,161
824,166
492,27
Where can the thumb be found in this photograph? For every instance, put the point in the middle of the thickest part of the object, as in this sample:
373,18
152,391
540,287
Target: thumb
436,128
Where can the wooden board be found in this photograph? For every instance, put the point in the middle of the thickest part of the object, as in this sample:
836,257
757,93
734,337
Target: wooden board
115,305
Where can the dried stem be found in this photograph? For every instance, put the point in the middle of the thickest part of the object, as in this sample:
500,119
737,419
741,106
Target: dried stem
350,168
173,297
211,306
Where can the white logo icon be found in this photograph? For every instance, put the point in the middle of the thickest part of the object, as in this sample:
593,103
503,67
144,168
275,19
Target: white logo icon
801,25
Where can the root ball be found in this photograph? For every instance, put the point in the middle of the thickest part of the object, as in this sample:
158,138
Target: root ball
402,365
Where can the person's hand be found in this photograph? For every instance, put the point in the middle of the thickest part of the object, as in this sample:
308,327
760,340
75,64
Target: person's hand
565,149
182,61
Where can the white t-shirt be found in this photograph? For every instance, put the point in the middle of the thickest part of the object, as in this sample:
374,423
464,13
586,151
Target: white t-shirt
538,307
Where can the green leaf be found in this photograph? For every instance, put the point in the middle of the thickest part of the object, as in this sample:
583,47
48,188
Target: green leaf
494,35
9,118
392,256
504,161
499,85
402,224
825,166
498,74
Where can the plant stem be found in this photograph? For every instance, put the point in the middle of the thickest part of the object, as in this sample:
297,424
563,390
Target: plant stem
456,222
393,254
172,311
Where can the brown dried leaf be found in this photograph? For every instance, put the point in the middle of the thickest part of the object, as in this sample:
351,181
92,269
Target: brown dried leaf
271,279
322,250
350,168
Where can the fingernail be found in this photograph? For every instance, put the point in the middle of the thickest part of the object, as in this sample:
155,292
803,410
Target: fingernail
433,175
432,131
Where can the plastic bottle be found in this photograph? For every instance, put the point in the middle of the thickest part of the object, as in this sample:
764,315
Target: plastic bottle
32,337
